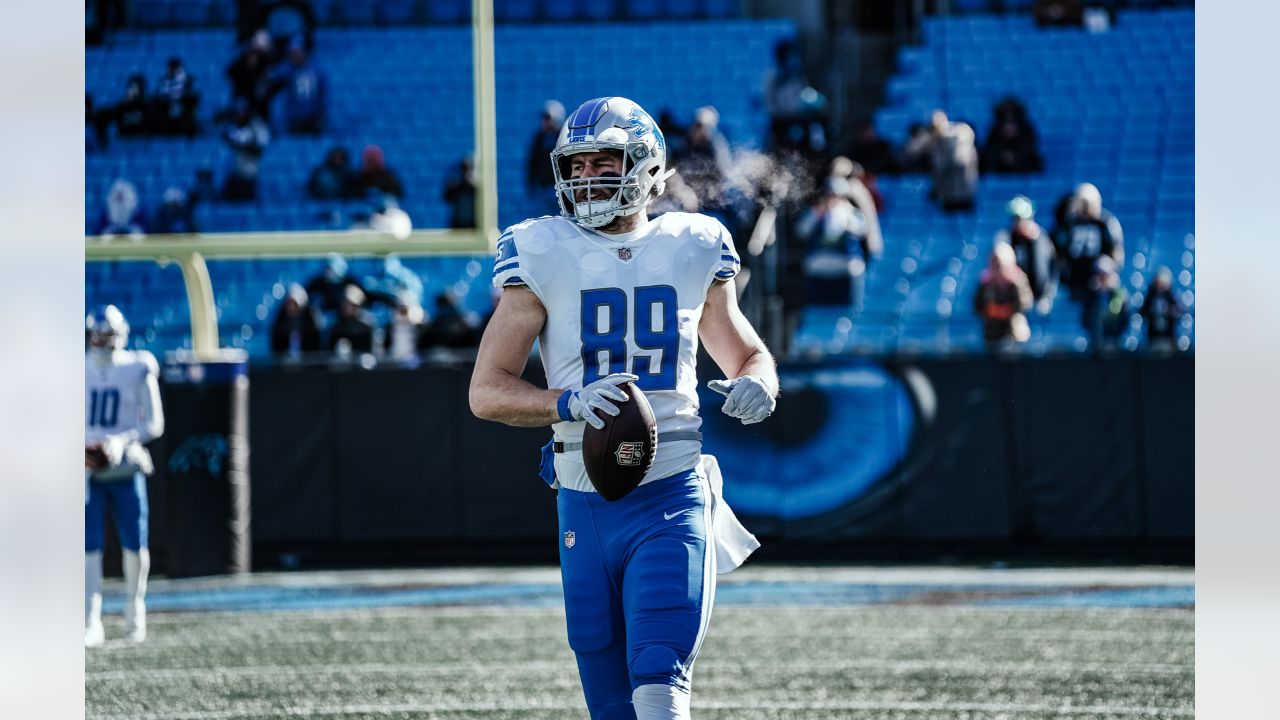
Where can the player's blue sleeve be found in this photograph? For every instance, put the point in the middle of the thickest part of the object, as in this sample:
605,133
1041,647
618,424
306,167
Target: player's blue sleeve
506,264
729,263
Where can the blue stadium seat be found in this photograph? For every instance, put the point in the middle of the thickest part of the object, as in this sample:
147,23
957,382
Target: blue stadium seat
449,11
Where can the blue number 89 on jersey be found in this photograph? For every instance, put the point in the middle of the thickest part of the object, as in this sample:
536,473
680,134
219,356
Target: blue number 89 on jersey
605,315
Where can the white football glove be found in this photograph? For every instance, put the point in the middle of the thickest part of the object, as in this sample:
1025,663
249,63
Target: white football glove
585,403
747,398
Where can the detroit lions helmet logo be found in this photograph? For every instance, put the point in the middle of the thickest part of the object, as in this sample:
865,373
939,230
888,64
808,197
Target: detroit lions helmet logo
642,123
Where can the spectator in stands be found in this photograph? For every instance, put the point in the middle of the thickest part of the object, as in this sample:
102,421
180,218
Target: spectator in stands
404,331
449,326
389,217
1004,296
304,86
955,163
176,100
863,199
834,235
203,189
375,175
790,99
1011,143
248,19
289,22
353,332
333,179
873,152
247,136
856,171
96,122
248,74
917,151
1033,249
1106,305
175,214
124,214
539,179
296,329
673,131
395,281
328,289
1089,232
460,194
706,164
133,112
1162,309
1059,12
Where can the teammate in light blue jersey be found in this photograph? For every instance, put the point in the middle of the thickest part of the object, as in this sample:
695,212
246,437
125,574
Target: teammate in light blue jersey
122,411
613,296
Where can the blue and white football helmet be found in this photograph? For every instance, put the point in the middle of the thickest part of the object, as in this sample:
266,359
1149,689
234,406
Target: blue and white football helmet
106,328
610,123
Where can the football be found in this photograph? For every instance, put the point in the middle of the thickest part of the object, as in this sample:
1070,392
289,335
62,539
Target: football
95,458
618,455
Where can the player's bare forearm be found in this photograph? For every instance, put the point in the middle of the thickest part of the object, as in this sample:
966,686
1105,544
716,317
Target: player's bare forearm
508,399
498,392
730,339
762,365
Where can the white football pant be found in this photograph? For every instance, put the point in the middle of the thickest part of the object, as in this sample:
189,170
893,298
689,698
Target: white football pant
136,567
660,702
93,599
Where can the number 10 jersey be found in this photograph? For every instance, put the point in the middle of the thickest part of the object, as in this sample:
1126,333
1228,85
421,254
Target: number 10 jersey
622,303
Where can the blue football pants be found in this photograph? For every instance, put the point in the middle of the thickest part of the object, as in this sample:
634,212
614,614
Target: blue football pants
639,580
128,502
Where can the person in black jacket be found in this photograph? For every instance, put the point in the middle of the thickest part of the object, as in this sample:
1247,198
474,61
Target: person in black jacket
460,194
329,288
334,179
176,100
1088,232
1162,309
352,333
133,112
1034,250
539,179
296,330
1011,145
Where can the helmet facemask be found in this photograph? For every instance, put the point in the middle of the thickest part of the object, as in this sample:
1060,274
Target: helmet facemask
643,158
106,331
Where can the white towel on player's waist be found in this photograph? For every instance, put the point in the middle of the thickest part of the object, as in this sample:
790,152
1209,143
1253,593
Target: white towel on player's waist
733,542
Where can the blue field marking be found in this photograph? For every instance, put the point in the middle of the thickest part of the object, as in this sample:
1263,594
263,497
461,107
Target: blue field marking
1162,596
270,598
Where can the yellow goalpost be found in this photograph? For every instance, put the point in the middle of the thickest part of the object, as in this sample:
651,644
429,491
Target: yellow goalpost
189,251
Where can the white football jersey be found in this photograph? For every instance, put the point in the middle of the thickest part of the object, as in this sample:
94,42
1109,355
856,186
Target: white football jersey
622,303
121,402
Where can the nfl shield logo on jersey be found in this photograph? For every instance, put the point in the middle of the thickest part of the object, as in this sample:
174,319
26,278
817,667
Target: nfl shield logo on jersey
570,539
630,453
624,253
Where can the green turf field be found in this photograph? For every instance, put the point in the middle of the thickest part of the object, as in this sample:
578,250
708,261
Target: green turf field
926,657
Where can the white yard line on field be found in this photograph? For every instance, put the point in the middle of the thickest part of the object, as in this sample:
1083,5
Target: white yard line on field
951,666
258,710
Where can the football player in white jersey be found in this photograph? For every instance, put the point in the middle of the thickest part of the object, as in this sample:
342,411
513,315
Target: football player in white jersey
122,411
612,296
